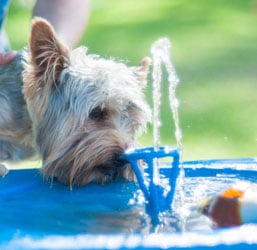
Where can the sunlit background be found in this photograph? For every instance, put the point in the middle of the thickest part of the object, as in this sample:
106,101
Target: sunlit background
214,50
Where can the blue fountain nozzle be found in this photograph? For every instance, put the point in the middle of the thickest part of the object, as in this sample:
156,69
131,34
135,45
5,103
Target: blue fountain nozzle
159,198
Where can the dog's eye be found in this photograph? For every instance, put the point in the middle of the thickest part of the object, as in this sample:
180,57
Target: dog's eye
98,114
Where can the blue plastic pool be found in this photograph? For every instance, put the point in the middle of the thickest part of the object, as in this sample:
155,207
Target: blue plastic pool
36,214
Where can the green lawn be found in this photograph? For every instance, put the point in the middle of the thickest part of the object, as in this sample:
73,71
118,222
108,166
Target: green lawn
214,49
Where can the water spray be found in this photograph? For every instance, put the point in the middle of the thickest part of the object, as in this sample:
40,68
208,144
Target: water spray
159,198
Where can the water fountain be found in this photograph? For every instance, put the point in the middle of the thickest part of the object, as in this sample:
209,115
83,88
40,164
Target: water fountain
161,202
160,197
158,212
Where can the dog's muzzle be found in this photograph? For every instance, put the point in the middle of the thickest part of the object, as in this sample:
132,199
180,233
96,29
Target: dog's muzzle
114,167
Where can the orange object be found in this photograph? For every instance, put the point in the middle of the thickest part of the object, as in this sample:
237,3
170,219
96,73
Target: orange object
224,209
232,193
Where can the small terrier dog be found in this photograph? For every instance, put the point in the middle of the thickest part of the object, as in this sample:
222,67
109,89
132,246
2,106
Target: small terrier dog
79,111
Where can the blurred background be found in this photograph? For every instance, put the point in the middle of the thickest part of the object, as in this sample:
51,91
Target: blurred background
214,50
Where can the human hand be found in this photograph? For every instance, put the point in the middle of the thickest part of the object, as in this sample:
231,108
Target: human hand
7,57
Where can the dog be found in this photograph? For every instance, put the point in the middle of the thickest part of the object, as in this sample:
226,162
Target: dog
79,111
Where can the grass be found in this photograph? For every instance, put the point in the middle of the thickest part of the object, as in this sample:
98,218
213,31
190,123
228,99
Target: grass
214,49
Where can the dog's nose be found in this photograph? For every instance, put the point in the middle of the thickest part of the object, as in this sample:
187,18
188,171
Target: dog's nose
115,166
108,170
120,161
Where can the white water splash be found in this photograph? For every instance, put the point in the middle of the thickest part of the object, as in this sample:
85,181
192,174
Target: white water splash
160,51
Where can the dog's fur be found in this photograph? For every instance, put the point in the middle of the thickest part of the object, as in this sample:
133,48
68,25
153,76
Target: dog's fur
80,111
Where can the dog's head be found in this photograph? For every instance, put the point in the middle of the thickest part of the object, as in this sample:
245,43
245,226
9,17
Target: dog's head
85,110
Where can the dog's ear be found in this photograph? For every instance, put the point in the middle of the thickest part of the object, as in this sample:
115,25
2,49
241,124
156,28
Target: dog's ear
48,56
141,71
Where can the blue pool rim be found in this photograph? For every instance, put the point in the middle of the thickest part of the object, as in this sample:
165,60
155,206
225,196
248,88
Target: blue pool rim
19,181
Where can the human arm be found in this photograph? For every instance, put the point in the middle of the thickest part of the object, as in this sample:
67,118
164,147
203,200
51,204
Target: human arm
68,17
